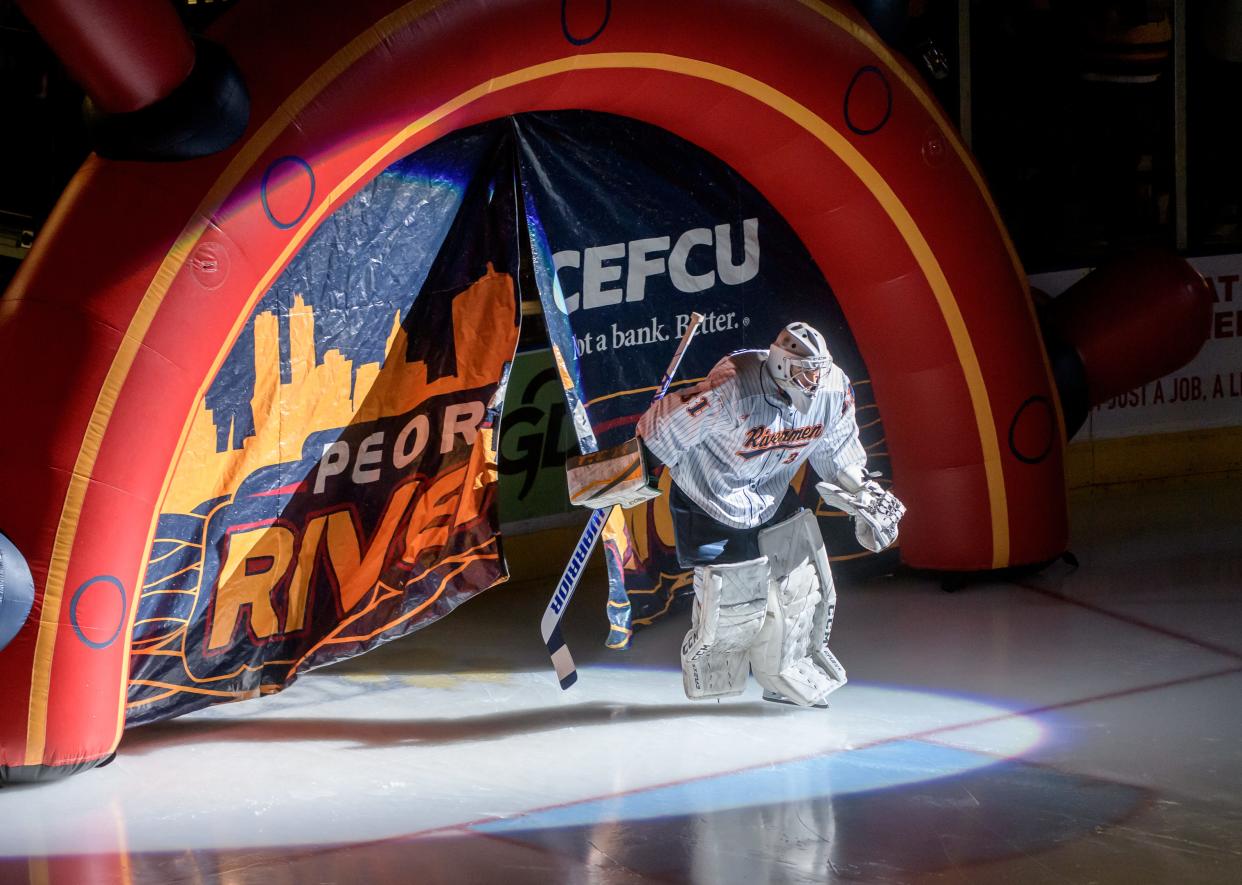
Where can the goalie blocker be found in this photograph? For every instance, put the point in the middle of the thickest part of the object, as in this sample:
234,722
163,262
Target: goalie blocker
619,476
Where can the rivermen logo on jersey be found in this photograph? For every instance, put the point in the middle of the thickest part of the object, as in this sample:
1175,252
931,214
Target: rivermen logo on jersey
761,440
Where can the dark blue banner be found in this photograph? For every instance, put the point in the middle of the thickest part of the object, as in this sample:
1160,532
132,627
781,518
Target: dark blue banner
632,230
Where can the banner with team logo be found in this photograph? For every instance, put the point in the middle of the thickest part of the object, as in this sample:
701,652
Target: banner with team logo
631,230
337,485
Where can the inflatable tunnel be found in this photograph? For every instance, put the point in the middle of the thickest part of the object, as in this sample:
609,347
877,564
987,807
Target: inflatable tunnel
241,444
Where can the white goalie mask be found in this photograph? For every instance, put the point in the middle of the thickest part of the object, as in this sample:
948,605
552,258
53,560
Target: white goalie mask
799,362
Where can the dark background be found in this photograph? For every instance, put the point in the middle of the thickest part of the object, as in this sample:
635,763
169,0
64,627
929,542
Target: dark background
1071,107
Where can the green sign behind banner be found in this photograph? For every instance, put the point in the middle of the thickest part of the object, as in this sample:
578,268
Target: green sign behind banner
535,439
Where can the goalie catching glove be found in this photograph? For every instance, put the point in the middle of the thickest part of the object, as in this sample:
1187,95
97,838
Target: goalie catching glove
616,476
876,510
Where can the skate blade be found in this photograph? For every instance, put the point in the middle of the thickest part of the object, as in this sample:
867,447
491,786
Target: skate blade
781,699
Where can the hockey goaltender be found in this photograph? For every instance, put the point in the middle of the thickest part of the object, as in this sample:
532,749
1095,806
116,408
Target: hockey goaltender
763,591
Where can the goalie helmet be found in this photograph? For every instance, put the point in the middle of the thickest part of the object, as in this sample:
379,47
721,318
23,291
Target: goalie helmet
799,362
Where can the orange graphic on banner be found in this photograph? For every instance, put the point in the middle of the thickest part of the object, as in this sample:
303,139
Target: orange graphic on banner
321,396
269,568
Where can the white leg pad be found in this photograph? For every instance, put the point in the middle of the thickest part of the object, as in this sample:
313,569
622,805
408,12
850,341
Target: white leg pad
790,657
729,606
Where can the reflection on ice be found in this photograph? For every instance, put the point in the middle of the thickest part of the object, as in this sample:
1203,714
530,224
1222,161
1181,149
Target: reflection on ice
339,758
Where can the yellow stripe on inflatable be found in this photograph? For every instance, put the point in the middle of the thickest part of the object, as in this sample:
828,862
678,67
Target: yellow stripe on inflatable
917,89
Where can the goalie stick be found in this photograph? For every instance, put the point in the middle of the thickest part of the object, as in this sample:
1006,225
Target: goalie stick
550,626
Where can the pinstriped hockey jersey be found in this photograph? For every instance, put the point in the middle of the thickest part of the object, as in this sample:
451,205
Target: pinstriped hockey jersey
733,442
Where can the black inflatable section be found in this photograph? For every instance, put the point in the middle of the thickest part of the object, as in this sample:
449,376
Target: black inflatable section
1070,375
205,114
16,775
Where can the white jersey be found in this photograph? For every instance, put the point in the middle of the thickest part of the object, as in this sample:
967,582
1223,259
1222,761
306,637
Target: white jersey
733,442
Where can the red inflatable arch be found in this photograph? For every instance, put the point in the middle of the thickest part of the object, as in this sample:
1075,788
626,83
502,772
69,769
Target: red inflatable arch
146,272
